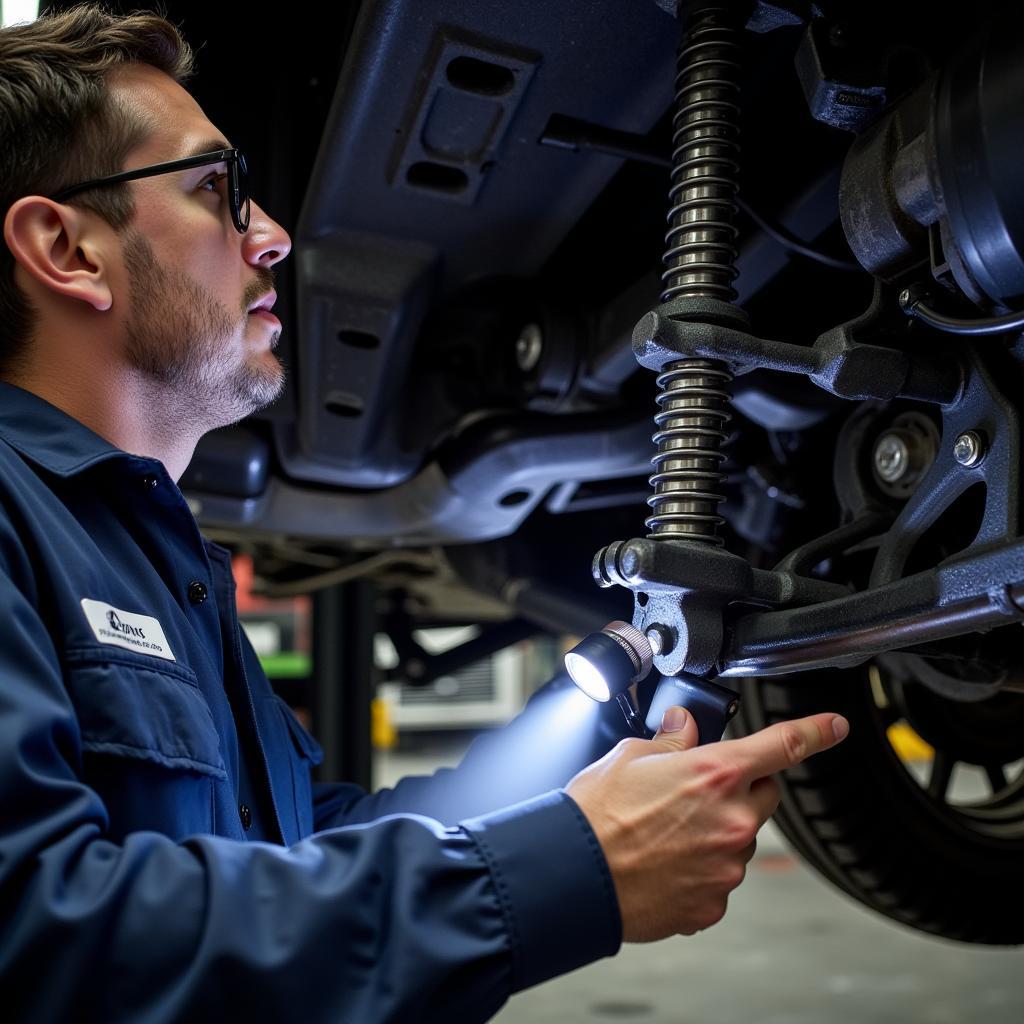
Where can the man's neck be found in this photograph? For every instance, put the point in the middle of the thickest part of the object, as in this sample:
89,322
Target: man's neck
123,407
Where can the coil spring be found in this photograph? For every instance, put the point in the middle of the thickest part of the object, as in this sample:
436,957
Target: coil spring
687,466
700,261
700,253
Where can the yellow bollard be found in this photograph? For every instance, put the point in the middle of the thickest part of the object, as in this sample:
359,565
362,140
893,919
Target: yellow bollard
383,733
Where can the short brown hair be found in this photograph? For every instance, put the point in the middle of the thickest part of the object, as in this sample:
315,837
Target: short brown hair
59,124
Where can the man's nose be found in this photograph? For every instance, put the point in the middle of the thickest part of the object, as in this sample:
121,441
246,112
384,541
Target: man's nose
266,242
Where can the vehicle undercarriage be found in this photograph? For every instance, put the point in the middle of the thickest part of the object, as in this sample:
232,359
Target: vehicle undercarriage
487,319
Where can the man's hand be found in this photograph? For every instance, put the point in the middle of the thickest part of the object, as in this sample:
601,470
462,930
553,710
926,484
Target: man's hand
677,821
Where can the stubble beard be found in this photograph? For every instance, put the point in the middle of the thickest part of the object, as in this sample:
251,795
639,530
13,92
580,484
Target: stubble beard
179,335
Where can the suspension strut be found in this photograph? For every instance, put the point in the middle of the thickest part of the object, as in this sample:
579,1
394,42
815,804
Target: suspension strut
700,262
680,575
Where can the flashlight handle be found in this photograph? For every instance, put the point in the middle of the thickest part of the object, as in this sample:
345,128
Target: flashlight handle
711,704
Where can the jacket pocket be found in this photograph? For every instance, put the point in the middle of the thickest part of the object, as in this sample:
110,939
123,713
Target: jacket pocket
128,706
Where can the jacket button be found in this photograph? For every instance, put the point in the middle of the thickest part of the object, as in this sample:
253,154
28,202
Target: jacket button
197,592
149,482
245,815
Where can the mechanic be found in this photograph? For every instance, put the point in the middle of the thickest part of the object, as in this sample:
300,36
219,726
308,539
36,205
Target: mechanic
163,856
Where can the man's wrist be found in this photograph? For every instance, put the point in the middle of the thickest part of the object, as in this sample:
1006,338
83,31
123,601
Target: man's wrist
553,883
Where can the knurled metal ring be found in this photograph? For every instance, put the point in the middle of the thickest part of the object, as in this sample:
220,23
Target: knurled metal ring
634,643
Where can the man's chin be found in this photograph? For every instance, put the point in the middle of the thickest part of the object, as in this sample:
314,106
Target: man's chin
266,385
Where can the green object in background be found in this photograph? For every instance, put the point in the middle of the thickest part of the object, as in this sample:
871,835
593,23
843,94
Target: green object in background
287,665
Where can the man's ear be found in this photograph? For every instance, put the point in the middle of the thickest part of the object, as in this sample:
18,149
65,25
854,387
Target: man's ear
60,248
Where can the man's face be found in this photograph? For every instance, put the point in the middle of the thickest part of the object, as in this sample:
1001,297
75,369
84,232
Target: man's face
179,333
191,280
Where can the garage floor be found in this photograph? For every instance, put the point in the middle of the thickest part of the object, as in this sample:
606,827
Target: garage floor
791,950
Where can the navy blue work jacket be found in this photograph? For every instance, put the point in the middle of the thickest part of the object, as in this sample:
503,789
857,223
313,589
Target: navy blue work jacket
135,721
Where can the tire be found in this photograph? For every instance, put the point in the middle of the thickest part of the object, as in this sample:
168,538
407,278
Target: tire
861,818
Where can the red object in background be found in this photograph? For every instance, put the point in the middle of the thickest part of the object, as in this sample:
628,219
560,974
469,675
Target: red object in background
250,605
241,567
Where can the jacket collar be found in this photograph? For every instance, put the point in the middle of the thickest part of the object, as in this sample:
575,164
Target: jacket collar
47,436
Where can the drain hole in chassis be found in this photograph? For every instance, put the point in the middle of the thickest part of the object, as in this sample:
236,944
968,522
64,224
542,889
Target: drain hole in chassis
359,339
344,404
480,76
437,177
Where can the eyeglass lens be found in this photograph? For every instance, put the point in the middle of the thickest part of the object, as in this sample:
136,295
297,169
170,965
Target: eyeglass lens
240,194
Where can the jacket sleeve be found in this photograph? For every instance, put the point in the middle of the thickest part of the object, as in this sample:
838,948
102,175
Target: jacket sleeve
400,919
558,733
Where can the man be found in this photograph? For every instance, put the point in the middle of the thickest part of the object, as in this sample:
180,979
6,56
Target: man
162,857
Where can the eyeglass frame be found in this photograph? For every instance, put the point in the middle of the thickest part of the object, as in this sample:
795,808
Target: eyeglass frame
238,193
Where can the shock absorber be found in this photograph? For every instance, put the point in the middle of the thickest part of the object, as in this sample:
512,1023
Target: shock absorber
682,590
700,262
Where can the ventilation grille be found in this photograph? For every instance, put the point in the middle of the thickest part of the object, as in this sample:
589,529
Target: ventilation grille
472,685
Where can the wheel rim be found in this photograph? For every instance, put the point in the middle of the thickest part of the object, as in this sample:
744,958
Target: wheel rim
975,775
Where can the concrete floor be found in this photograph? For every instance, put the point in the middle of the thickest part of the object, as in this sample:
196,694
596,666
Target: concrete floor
791,950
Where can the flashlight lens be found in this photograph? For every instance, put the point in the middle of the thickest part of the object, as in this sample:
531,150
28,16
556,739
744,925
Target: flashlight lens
587,676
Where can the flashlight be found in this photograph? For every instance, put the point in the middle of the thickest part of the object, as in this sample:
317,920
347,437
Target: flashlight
607,663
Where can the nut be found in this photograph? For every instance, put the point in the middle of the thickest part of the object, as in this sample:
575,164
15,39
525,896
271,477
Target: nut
969,449
892,457
529,346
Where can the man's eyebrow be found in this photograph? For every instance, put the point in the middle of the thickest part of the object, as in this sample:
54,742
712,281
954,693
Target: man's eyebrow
208,146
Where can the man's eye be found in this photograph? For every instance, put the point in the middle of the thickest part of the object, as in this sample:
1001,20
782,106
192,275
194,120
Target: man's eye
212,183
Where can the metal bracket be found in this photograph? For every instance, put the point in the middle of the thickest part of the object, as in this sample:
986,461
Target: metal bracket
837,362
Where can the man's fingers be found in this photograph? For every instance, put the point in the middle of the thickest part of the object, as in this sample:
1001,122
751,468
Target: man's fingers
678,730
788,743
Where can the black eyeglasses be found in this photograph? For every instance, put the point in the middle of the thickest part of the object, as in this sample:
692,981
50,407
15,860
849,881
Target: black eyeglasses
238,185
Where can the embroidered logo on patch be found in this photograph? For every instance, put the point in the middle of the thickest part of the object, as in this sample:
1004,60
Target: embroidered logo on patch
115,626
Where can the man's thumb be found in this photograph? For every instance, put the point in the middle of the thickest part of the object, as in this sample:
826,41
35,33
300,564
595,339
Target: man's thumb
678,729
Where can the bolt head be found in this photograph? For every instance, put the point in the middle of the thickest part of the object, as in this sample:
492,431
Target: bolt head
892,458
529,346
968,449
659,638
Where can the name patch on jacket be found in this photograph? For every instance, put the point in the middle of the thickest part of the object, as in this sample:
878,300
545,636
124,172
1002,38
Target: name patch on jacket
115,626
